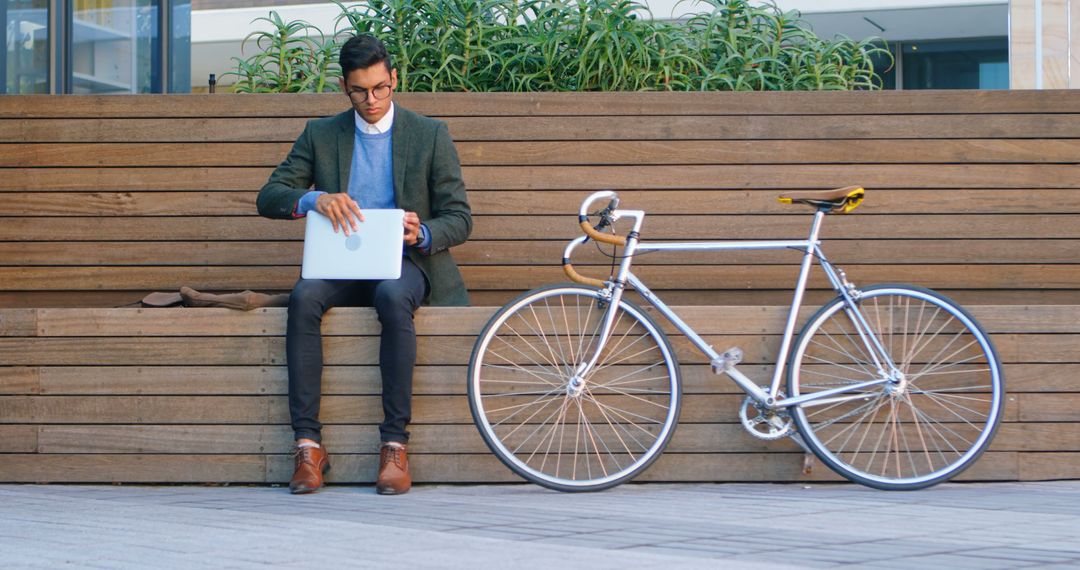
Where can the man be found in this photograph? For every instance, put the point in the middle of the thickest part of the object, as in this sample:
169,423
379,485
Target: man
375,155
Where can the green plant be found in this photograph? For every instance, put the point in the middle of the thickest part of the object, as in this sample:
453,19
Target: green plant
289,60
567,45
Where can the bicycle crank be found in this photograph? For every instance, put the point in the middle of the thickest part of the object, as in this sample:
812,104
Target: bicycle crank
764,423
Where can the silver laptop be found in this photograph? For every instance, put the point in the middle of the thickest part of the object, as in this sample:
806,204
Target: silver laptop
372,252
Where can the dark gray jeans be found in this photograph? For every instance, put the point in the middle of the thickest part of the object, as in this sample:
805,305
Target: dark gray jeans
395,301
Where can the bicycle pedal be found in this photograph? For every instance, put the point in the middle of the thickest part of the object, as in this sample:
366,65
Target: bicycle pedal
726,361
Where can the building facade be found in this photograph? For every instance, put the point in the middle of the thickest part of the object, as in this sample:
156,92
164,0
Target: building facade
95,46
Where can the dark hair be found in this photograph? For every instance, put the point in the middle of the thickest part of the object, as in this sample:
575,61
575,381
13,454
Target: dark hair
363,51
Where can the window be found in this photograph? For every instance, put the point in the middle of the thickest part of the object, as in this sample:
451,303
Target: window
96,46
114,46
959,64
24,68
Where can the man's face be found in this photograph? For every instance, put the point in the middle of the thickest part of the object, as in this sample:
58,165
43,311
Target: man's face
372,82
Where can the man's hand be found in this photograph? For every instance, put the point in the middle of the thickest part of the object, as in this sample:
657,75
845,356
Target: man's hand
340,208
412,228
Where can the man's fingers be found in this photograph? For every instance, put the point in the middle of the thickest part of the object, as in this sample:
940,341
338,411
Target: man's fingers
350,211
356,209
341,218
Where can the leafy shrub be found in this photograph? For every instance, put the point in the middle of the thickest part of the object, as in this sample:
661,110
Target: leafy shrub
566,45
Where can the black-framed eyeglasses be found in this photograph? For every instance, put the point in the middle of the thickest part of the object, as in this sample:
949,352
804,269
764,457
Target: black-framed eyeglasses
379,92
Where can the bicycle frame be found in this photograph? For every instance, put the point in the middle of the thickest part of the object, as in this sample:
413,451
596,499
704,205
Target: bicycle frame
811,248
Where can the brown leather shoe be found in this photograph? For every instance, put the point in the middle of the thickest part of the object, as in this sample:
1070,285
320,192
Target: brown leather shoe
311,463
394,478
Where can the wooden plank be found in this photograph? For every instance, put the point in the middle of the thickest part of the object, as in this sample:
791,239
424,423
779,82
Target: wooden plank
483,468
147,351
201,129
755,151
354,380
570,152
133,179
18,439
526,277
339,321
18,322
341,439
657,227
20,380
1049,466
1044,319
921,127
767,276
35,299
273,380
1028,437
566,202
439,321
631,104
425,438
494,298
762,201
136,204
1047,408
779,176
98,154
501,252
455,350
698,408
581,178
153,351
37,468
494,128
1041,377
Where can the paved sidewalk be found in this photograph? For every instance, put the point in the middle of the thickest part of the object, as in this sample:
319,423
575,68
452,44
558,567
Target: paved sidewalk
953,526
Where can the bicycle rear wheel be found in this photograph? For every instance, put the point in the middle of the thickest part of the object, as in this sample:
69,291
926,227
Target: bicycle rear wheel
924,427
543,429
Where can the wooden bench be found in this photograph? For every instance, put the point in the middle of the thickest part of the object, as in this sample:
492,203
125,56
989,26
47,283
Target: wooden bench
107,198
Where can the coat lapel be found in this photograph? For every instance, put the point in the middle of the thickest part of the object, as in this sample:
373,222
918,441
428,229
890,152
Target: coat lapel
399,141
346,138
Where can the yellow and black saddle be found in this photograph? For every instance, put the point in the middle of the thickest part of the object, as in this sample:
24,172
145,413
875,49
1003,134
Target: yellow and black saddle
839,201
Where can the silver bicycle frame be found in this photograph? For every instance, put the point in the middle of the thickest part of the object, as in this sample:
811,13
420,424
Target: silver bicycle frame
811,248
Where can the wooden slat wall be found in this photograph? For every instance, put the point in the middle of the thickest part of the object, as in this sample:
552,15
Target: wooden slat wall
198,395
103,199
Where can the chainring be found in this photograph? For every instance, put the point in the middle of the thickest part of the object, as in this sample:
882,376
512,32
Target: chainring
764,424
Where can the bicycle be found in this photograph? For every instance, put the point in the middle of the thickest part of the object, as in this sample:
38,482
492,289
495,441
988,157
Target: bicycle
892,386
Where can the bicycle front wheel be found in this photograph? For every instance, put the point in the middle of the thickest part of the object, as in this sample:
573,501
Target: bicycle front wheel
544,428
924,426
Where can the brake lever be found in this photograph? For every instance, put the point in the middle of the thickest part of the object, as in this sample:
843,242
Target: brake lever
605,221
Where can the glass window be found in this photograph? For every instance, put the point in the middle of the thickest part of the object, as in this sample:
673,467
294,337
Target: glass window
25,65
180,47
959,64
115,47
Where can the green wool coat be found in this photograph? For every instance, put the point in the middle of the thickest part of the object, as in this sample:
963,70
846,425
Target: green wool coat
427,180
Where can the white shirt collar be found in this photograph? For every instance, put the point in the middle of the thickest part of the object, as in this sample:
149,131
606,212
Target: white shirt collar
378,128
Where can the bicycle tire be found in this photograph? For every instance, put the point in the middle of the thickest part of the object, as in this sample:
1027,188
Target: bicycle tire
938,418
620,423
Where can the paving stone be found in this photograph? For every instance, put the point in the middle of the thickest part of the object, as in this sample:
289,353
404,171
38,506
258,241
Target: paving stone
959,526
